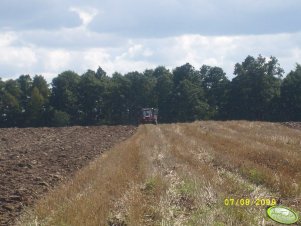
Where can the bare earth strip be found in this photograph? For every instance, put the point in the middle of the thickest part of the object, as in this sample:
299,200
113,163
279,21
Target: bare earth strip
33,160
181,174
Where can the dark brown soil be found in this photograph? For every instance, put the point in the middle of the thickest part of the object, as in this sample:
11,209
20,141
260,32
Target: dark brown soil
34,160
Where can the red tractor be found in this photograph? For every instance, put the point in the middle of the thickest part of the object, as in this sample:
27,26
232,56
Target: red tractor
149,115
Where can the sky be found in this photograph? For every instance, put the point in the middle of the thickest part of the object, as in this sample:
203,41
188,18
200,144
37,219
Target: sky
50,36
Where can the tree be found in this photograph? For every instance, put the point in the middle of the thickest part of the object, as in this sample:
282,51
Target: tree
118,101
36,110
188,99
163,93
25,84
13,88
215,85
41,84
291,95
60,118
255,89
188,72
190,103
10,110
90,95
64,96
256,93
100,73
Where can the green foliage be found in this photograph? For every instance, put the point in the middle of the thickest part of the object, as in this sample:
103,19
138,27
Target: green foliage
150,185
90,97
64,96
185,94
10,109
189,102
255,89
187,72
36,107
163,91
40,83
216,87
100,73
188,188
118,101
12,87
154,185
188,98
219,223
23,101
25,84
60,118
254,175
291,95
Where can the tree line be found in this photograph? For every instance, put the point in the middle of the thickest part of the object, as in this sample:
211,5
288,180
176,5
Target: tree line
257,92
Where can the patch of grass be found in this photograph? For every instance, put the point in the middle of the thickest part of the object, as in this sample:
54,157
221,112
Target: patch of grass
256,176
150,185
197,216
218,223
188,188
154,186
243,216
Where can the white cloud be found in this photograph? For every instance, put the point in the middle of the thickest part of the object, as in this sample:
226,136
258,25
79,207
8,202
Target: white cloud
70,38
24,58
140,54
86,15
135,51
7,38
92,58
55,60
225,51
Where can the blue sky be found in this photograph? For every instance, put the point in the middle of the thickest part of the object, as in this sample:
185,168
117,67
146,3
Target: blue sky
50,36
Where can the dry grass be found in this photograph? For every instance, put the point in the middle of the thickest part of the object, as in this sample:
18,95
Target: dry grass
180,174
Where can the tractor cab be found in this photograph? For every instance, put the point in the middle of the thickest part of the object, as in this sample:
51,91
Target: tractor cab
149,115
